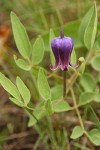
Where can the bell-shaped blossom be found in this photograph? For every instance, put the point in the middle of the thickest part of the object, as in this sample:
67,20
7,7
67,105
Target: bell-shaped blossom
62,48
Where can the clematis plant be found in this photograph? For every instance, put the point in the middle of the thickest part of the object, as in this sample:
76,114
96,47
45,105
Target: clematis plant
62,47
49,98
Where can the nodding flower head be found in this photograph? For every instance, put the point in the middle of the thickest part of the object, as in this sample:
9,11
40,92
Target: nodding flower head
62,48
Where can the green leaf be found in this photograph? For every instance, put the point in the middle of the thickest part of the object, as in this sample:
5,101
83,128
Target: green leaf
96,45
39,112
61,106
77,132
97,97
88,27
86,97
43,85
87,82
56,92
35,71
98,77
73,57
48,107
22,64
17,102
9,87
92,115
94,136
24,91
51,37
95,62
20,36
38,51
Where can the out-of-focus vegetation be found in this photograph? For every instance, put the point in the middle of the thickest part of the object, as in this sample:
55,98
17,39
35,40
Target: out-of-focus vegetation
38,16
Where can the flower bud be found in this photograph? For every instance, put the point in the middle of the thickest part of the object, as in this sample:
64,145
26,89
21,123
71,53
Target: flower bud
62,48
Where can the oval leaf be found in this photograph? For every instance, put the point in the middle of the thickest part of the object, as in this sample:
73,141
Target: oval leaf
95,62
88,27
86,97
43,85
22,64
56,92
17,102
9,87
24,91
87,82
77,132
20,36
61,106
94,136
38,51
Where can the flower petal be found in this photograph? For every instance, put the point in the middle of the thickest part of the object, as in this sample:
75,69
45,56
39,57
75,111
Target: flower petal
64,68
66,46
55,48
55,67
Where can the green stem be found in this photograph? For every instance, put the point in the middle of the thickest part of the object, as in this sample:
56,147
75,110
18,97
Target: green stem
64,84
31,112
72,80
78,114
52,133
77,111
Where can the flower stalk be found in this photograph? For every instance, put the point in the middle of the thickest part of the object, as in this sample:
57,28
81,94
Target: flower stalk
77,111
64,84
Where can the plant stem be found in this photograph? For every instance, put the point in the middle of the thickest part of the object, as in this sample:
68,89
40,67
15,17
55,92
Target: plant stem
61,32
72,80
77,110
64,84
31,112
52,133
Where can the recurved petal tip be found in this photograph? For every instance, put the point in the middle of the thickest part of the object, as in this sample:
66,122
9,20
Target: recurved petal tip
54,67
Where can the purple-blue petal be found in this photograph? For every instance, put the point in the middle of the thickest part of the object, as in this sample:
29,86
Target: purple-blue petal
62,48
66,46
55,67
55,49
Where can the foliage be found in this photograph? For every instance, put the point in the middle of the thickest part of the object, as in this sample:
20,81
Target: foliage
83,92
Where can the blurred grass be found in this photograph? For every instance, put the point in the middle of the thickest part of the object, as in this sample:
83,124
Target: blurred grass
40,15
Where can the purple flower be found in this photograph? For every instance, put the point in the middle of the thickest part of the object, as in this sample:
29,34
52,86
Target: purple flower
62,48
